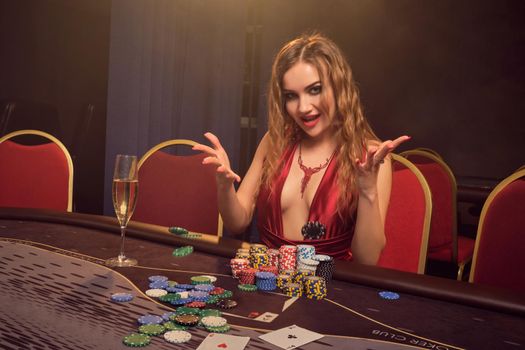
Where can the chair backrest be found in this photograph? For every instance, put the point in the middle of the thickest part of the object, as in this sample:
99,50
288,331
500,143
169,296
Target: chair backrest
177,190
408,219
35,176
499,257
443,186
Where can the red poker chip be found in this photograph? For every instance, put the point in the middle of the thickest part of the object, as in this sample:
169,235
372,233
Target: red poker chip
196,304
217,291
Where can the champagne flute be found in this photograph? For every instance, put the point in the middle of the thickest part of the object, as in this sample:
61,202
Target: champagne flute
125,191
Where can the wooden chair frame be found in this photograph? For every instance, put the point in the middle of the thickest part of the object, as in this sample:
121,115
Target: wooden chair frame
60,145
176,142
515,176
428,210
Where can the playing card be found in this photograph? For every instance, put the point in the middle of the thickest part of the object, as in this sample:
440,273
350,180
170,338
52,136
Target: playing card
218,341
266,317
290,337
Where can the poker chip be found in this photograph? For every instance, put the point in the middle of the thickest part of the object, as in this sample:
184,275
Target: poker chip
156,293
157,278
210,312
213,321
169,297
227,304
150,319
196,304
177,337
200,280
204,287
121,297
166,316
225,295
389,295
212,299
183,251
152,329
185,286
181,301
186,310
158,285
187,320
136,340
213,279
222,329
247,287
172,326
178,230
217,291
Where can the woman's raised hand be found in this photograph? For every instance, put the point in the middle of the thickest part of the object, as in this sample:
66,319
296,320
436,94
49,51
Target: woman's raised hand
217,157
368,168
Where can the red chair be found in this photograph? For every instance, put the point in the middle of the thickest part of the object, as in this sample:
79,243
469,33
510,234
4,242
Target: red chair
444,242
177,190
408,219
499,257
36,176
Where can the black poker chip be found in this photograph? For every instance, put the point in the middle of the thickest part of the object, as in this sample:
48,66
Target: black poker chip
313,230
227,304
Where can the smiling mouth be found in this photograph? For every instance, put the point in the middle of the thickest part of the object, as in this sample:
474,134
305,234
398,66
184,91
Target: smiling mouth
311,118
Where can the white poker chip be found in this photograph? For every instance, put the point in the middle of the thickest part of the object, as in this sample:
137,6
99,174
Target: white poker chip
213,321
156,293
213,279
177,337
183,295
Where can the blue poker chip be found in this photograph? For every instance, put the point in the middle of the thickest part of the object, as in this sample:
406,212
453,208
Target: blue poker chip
204,287
121,297
185,286
181,301
389,295
166,315
157,278
158,284
150,319
175,289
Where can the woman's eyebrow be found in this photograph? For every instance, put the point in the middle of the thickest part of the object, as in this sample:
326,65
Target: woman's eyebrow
306,88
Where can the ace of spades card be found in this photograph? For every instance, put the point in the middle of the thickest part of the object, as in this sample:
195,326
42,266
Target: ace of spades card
290,337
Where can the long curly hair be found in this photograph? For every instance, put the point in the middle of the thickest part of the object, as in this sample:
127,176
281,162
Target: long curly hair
353,131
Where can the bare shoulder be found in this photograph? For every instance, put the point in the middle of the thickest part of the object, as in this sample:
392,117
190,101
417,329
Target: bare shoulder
263,147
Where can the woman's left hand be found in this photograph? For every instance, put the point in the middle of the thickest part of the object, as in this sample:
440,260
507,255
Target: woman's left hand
368,168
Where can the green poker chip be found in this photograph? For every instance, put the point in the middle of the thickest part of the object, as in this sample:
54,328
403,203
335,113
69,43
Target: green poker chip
192,235
226,294
212,299
184,310
210,312
178,230
200,280
221,329
172,326
247,287
168,298
152,329
136,340
183,251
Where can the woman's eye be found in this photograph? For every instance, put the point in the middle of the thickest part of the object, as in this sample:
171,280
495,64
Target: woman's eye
316,90
289,96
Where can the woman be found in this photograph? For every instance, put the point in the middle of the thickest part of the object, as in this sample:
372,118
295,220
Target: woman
319,176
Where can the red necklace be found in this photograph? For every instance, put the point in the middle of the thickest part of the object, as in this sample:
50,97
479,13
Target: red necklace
308,172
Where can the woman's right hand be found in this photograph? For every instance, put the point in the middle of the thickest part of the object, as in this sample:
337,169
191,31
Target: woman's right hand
217,157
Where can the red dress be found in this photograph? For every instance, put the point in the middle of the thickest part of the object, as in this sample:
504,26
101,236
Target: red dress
339,232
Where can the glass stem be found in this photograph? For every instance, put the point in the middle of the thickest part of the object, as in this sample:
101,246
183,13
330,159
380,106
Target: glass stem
121,256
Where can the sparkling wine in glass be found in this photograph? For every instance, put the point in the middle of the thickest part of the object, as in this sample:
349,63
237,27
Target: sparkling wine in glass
125,191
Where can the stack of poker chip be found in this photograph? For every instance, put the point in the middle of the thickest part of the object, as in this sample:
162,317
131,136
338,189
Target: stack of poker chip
315,287
247,276
269,268
259,260
237,265
266,281
293,289
301,274
273,257
305,251
258,249
307,264
283,279
287,257
243,253
325,268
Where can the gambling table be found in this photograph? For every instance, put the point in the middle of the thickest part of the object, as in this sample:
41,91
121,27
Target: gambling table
55,293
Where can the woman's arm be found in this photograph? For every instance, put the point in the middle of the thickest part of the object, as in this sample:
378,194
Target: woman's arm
374,181
236,208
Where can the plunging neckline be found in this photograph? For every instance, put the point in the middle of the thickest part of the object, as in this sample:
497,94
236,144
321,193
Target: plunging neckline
286,172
